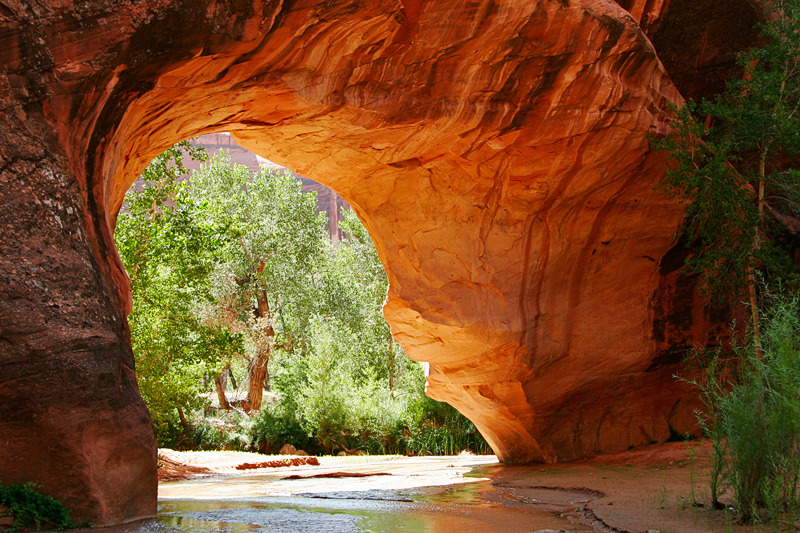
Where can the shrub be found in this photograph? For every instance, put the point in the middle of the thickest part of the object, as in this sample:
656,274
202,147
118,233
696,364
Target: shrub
29,507
322,408
232,430
442,430
753,419
277,425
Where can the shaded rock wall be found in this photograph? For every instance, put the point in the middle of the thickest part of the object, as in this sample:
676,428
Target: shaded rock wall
497,152
71,418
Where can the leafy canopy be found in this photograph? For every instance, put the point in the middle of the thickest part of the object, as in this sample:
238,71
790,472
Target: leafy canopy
169,253
275,248
733,164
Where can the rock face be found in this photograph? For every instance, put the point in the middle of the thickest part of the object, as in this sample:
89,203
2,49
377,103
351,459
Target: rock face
497,152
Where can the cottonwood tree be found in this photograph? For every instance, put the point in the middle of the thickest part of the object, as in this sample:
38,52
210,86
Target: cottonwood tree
268,266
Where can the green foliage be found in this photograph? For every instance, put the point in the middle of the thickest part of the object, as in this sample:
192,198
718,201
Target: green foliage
273,257
333,415
441,430
168,252
721,216
275,237
231,430
753,419
733,165
278,424
31,508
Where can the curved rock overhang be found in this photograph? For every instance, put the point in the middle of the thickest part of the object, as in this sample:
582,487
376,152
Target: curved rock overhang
497,152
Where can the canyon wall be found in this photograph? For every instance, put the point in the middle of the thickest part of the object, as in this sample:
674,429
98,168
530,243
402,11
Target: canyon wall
496,150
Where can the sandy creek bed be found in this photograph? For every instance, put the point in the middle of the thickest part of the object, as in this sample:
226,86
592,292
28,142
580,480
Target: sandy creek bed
637,491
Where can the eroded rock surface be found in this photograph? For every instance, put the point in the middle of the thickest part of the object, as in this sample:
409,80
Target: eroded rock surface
497,152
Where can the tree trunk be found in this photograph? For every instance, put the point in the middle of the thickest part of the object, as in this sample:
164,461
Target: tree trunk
231,376
220,383
751,282
256,374
391,363
257,369
751,289
186,427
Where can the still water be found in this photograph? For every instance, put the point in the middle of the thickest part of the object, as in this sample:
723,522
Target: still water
441,495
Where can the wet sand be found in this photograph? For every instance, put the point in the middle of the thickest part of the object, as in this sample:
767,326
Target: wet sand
648,489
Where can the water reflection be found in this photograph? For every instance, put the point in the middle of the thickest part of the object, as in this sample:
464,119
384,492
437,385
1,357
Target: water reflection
379,504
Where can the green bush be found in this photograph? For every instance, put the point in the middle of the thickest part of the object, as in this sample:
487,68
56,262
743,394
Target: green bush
321,408
442,430
29,507
277,425
231,430
753,419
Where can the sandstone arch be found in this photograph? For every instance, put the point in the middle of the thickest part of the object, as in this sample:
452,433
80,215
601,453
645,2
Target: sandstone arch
496,150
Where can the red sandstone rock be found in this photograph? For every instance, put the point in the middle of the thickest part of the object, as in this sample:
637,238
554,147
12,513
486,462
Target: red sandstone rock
338,475
172,470
497,152
287,449
294,461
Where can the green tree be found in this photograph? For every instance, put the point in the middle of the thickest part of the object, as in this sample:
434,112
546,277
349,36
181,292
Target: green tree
735,168
266,270
168,252
358,382
360,275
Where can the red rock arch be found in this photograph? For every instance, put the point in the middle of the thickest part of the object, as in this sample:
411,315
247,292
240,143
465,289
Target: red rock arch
497,152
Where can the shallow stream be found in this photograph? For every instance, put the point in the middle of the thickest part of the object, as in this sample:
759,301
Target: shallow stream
441,495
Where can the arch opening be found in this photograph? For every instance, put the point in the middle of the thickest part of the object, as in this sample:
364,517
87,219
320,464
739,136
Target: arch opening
238,277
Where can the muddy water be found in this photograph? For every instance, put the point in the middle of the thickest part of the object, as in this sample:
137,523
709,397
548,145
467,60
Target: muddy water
442,495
